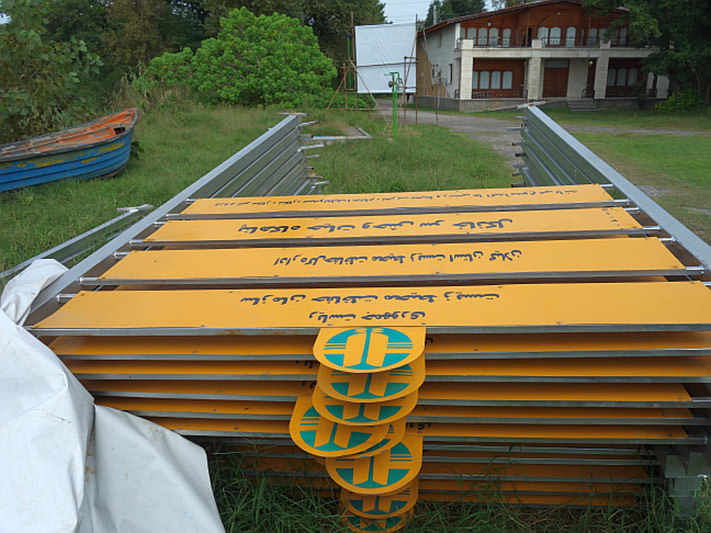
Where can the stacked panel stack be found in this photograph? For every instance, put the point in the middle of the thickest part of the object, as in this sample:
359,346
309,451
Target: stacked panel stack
534,345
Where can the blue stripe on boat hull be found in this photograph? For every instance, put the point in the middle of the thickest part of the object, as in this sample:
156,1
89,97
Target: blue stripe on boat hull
79,164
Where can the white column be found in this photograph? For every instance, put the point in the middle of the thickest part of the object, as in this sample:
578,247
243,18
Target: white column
601,77
465,76
534,78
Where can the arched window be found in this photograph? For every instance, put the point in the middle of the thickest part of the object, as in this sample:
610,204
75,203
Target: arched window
507,80
506,37
475,80
611,77
481,41
555,36
484,79
622,76
471,33
592,37
570,36
632,76
493,36
496,80
543,34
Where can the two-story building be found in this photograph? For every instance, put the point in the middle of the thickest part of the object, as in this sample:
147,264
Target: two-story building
551,50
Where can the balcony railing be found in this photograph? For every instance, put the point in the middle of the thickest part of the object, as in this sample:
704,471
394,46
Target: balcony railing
547,42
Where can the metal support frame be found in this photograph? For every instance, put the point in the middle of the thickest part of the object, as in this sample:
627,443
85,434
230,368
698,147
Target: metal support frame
552,156
278,150
80,244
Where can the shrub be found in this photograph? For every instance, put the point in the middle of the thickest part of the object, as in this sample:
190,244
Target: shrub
42,81
253,60
688,99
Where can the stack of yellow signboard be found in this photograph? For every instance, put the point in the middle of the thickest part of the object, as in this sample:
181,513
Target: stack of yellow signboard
536,346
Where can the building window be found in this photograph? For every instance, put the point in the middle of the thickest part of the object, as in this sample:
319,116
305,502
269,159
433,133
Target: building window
481,41
507,81
494,37
451,74
555,36
471,33
543,34
496,80
484,79
611,77
622,76
592,37
570,36
622,37
475,80
506,38
632,76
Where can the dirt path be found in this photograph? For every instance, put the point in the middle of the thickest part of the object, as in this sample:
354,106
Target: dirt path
493,133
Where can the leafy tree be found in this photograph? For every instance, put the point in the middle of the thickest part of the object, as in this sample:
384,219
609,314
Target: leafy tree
679,29
330,20
253,60
448,9
42,81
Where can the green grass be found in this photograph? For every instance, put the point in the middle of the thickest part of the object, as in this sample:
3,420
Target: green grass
617,118
180,145
254,503
674,170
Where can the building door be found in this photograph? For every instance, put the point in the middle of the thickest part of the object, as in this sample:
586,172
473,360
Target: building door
555,78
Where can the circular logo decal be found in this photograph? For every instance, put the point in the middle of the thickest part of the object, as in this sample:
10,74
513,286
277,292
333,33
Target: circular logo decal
395,433
360,524
373,387
386,472
372,506
362,414
319,436
368,349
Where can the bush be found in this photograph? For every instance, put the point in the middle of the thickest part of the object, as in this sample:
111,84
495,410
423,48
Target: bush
253,60
42,82
688,99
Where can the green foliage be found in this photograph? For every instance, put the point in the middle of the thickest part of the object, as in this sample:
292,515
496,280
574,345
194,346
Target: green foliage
688,99
449,9
330,20
679,29
42,81
253,60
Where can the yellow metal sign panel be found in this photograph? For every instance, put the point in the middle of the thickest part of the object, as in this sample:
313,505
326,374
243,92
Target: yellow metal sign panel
395,433
425,199
318,436
547,432
266,410
593,433
362,414
359,263
384,473
592,393
375,386
395,227
273,347
368,349
483,308
379,386
377,506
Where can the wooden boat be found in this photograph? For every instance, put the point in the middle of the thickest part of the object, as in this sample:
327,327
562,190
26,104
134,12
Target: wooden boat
98,148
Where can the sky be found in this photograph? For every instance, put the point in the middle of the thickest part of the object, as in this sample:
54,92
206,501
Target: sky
399,11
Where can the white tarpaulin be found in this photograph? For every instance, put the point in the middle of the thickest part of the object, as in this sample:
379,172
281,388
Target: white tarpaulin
67,465
381,49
